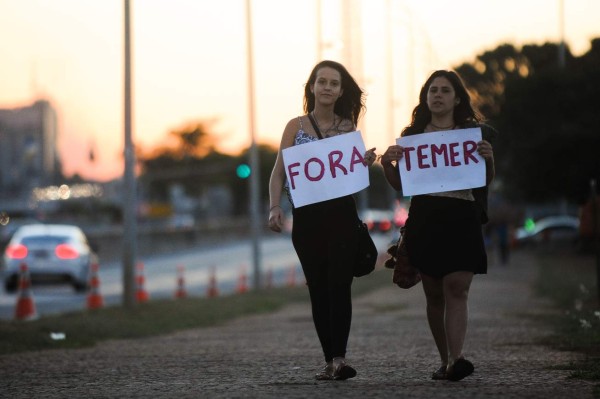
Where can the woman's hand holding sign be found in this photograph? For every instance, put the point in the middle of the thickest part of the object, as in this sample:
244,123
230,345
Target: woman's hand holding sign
389,160
393,153
484,148
370,157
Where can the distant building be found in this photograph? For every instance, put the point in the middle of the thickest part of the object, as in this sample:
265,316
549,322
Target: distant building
28,150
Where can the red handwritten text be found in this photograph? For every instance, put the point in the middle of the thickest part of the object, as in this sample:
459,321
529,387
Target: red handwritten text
315,168
429,155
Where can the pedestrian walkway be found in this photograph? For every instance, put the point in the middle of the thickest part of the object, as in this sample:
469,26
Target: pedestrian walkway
276,355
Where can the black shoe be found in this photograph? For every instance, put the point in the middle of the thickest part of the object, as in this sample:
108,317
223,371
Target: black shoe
326,373
343,371
460,369
440,374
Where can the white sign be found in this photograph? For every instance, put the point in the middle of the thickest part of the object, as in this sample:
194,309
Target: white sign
326,169
441,161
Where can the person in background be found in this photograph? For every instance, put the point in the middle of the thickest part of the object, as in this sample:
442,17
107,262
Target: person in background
444,235
324,234
500,226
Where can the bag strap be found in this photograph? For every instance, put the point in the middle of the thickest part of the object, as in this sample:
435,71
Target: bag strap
315,126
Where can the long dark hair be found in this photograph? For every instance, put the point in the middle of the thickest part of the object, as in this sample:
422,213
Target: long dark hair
350,105
464,112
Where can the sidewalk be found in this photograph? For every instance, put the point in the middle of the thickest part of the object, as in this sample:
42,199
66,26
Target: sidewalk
276,355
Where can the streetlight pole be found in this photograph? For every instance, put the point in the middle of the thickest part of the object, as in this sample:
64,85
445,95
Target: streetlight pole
254,159
353,58
319,24
595,232
129,191
389,71
561,24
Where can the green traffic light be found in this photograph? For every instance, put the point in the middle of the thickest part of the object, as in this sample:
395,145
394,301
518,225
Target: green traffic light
529,225
243,171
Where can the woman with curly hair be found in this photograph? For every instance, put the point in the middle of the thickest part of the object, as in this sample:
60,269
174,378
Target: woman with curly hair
443,234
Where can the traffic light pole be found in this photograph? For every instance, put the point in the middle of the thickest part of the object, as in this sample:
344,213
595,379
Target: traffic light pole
255,218
129,200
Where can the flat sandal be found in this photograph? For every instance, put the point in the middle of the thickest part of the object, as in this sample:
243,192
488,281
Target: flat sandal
440,374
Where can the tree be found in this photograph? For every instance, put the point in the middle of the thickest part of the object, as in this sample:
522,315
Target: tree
191,140
546,116
190,160
487,76
553,130
193,163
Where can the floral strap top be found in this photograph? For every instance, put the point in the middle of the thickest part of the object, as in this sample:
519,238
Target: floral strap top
301,138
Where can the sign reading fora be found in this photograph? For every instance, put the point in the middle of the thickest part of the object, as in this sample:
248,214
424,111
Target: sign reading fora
441,161
326,169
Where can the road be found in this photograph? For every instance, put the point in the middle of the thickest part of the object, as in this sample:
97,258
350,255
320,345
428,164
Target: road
228,260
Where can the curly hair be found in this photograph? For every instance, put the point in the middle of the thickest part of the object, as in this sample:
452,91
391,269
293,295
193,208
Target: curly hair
464,112
350,105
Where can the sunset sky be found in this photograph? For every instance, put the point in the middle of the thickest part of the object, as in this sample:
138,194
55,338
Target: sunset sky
190,62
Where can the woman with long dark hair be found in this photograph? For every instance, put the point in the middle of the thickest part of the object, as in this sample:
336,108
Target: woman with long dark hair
444,238
324,234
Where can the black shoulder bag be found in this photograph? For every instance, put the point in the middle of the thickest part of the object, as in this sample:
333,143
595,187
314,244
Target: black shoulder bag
366,251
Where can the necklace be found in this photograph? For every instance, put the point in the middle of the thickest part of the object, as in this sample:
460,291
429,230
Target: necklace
324,131
442,127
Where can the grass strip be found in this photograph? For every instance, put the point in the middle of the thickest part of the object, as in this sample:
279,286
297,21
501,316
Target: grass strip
156,317
568,279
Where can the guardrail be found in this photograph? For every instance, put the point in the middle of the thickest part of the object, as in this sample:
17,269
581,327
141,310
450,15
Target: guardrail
152,240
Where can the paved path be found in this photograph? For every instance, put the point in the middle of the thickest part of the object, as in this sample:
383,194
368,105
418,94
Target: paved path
276,355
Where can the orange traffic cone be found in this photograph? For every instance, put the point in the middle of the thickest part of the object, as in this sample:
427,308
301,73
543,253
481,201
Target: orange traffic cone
180,292
25,309
242,286
291,280
141,295
212,290
94,298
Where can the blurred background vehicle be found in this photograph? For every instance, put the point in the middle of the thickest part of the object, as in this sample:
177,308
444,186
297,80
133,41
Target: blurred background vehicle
7,230
551,228
181,221
378,220
54,253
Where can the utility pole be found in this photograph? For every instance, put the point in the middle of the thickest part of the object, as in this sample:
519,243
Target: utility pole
389,72
255,219
319,24
595,232
129,191
353,58
561,45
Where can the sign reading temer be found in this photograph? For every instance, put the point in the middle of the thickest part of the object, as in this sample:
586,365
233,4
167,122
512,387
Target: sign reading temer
441,161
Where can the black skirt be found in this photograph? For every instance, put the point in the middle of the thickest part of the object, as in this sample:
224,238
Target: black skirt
444,235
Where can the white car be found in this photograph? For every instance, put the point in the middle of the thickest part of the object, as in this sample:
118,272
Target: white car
551,228
52,253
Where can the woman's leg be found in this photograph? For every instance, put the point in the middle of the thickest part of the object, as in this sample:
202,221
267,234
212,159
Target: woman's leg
319,299
340,317
434,294
340,258
456,292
